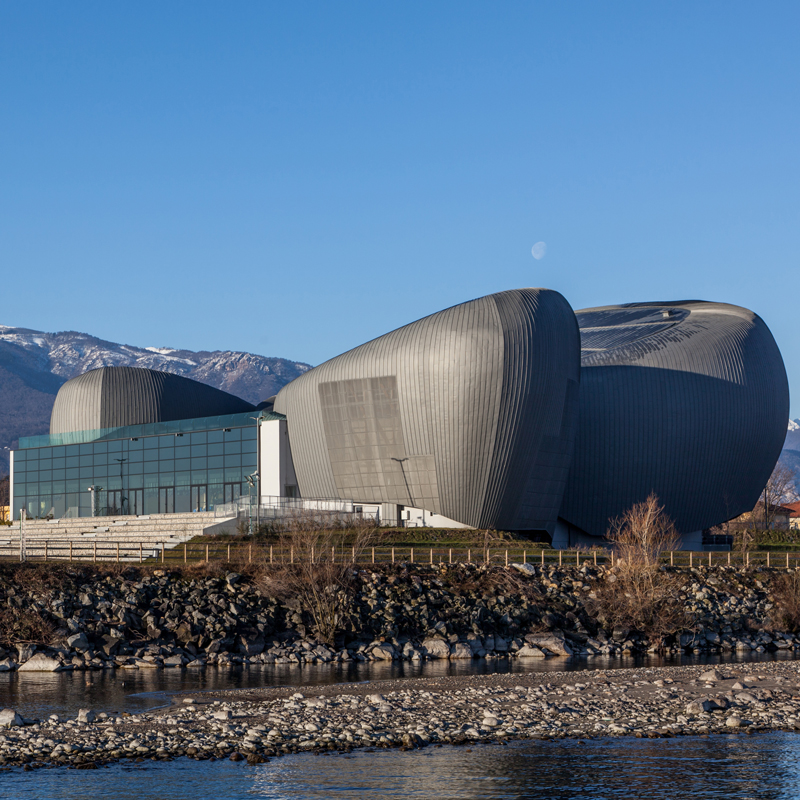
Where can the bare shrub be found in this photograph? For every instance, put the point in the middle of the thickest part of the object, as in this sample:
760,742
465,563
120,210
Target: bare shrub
638,592
318,577
25,626
785,612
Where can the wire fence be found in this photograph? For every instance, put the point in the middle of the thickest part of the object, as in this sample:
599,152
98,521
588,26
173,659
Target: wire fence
256,552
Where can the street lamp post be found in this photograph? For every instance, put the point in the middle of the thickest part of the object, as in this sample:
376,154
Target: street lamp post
257,473
251,483
122,497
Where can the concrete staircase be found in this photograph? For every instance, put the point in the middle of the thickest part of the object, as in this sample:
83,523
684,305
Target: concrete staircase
104,537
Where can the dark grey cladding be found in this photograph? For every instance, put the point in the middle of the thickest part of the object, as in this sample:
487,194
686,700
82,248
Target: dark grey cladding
688,400
111,397
469,413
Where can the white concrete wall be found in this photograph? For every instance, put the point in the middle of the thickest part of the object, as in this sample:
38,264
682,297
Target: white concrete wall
11,485
276,468
420,518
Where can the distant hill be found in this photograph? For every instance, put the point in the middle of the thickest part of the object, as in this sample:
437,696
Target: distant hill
792,435
34,365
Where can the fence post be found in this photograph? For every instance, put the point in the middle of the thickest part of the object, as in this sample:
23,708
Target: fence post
393,555
487,556
691,556
270,554
709,558
70,551
206,552
431,555
595,557
577,558
412,555
140,552
542,555
560,552
373,555
787,559
612,559
250,554
451,557
506,557
469,555
333,554
94,557
162,552
117,552
747,558
671,558
291,554
768,558
524,556
45,551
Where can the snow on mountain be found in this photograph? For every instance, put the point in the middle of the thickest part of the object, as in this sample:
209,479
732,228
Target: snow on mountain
792,441
34,364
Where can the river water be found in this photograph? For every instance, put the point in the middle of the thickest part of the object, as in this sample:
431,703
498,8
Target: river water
39,694
726,767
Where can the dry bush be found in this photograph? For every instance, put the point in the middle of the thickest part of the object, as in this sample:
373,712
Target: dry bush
319,578
25,626
785,612
638,592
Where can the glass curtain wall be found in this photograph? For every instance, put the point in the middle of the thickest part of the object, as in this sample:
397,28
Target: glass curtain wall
149,474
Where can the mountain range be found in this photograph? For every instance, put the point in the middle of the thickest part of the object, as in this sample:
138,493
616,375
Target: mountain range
34,365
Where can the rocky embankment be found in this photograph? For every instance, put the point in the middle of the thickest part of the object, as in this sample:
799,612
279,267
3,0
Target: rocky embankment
80,618
263,724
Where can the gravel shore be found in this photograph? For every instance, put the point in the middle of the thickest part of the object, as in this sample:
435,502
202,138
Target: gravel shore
256,725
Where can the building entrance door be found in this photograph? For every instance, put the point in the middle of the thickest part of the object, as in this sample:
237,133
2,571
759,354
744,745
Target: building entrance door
136,501
166,500
199,498
117,503
232,492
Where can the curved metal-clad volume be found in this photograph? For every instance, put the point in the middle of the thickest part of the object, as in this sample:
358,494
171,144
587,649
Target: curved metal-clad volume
111,397
469,413
689,400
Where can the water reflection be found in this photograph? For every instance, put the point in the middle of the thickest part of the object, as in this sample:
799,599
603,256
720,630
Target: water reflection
704,768
35,694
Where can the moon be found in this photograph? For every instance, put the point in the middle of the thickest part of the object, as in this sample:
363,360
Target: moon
538,250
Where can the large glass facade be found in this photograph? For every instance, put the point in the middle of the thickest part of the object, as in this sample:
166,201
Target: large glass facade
189,465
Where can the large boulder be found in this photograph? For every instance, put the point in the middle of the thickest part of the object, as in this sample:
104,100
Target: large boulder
461,650
550,642
9,718
436,648
78,641
529,651
39,662
384,652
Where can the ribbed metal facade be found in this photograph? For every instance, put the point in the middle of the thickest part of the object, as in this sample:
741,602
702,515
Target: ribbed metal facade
470,413
112,397
685,399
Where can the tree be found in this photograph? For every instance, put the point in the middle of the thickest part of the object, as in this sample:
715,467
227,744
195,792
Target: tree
638,592
781,488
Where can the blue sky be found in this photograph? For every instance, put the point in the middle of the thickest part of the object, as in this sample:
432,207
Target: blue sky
296,178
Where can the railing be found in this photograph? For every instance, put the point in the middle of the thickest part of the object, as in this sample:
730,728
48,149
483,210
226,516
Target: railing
257,552
279,507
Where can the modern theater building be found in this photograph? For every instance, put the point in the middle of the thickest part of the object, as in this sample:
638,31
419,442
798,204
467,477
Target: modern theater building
510,412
